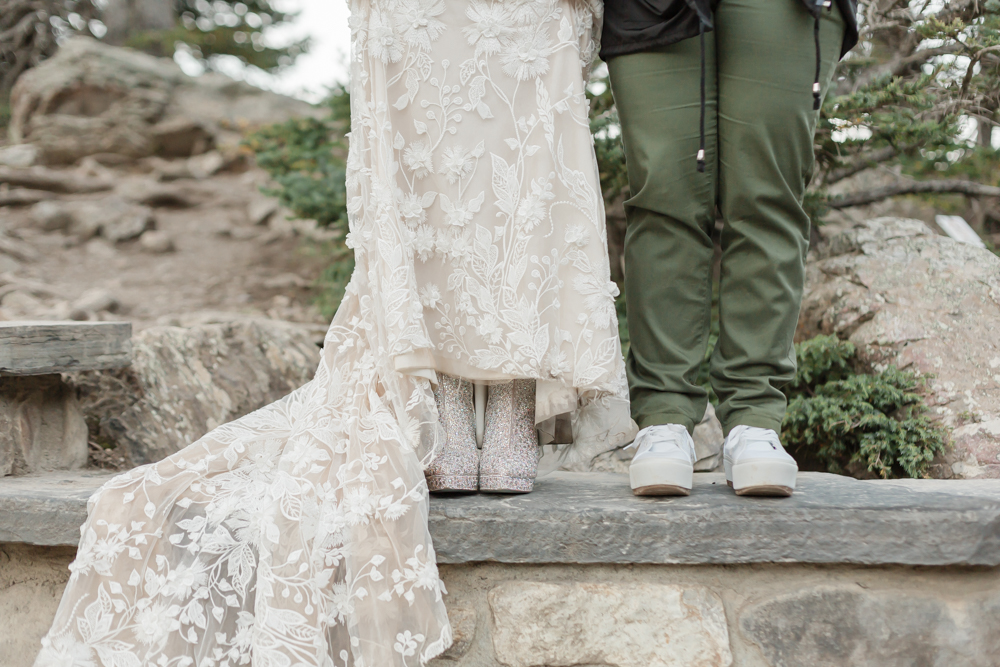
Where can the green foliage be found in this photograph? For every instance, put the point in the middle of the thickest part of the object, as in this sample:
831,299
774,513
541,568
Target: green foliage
329,287
223,27
847,421
820,360
606,129
911,95
305,157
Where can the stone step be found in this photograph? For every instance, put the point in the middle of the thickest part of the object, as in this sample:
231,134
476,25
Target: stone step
594,518
581,573
40,348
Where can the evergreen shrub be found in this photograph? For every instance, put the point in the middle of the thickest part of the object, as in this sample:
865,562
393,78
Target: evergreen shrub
862,424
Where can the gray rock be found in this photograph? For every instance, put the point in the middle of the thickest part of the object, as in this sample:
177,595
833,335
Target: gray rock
909,297
51,216
608,624
47,509
463,631
23,197
8,264
94,300
18,155
183,382
113,218
156,242
205,165
38,348
124,222
98,247
847,625
593,518
17,249
260,210
41,426
20,304
708,442
182,136
92,98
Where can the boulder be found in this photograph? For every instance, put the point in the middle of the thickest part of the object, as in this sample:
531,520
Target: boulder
924,302
113,218
91,98
18,155
156,242
51,216
94,300
183,382
830,626
608,624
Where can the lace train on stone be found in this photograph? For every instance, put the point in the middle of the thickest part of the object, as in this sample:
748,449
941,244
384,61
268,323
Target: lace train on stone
297,535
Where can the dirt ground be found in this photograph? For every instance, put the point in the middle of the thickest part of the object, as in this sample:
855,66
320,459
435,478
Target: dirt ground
220,249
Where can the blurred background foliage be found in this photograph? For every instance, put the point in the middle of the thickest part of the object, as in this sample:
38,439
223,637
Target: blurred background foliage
30,31
207,30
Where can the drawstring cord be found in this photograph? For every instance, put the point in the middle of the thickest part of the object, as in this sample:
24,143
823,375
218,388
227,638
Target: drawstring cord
701,145
820,5
816,89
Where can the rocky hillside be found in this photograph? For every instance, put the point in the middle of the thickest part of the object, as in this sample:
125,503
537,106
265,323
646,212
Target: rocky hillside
124,195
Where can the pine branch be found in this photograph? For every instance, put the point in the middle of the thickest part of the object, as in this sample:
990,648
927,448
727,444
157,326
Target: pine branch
860,163
863,197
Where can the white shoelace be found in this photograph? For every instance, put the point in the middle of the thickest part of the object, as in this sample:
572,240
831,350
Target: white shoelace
752,435
646,435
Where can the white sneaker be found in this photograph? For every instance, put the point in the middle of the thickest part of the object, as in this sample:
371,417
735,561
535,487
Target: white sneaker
756,464
664,462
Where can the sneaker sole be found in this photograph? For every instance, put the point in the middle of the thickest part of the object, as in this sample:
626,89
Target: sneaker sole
661,477
762,478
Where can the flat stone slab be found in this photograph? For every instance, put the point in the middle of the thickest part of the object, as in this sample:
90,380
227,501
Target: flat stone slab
594,518
47,508
40,348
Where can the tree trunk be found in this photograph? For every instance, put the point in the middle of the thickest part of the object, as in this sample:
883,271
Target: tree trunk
985,138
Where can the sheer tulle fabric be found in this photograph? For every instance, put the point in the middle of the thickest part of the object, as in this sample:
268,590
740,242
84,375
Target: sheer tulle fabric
297,535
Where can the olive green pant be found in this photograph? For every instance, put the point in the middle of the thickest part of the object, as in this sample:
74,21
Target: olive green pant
760,125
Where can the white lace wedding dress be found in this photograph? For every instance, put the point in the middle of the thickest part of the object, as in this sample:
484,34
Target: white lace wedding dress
297,535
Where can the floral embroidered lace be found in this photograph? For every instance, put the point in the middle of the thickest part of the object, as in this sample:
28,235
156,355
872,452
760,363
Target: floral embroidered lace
297,535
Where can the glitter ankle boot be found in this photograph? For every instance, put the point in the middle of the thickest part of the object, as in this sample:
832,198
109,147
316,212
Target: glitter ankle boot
456,466
509,460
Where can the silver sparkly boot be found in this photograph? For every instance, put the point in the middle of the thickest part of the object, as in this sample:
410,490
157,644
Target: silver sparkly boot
456,466
509,460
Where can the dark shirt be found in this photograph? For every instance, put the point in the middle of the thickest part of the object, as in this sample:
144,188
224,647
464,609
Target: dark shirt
631,26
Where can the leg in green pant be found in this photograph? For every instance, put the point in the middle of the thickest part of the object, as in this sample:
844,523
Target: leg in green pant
760,125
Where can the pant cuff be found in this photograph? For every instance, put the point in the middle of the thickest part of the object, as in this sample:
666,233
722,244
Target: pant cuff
660,418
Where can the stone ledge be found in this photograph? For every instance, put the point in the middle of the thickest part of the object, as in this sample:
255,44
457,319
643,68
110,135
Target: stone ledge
593,518
40,348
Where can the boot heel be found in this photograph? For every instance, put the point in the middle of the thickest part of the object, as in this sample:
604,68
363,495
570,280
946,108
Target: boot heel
502,484
452,483
455,469
509,460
